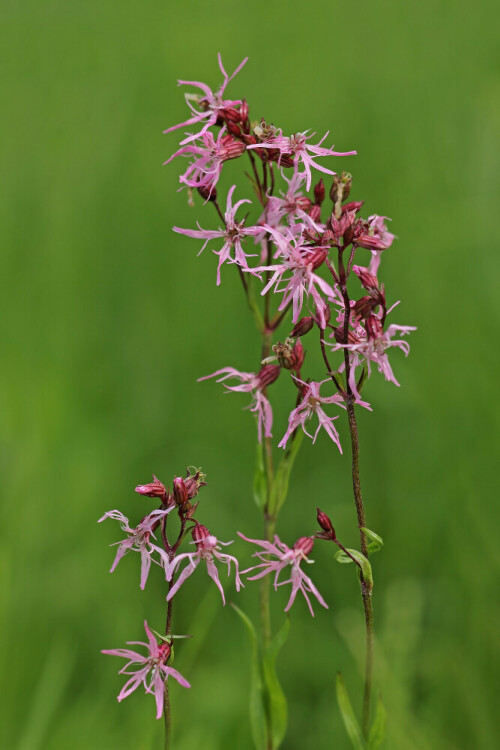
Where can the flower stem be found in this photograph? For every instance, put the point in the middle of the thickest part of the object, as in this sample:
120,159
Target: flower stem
366,591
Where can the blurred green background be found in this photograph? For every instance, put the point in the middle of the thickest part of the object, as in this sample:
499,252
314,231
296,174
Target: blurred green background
108,319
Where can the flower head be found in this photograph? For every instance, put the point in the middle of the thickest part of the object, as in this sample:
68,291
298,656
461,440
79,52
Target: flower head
212,105
208,547
254,383
152,669
297,148
233,234
139,539
283,557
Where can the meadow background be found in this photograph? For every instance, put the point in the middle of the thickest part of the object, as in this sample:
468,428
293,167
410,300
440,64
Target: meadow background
108,318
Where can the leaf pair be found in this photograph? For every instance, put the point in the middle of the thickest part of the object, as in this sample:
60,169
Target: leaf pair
268,708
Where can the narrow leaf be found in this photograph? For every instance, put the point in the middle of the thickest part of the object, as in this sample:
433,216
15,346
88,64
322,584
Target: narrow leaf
278,711
257,711
377,731
279,490
361,560
376,542
259,479
350,722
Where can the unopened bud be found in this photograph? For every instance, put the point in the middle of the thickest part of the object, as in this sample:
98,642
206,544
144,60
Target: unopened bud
164,651
233,128
319,192
230,114
368,280
180,493
352,206
208,194
153,489
317,256
304,544
315,212
193,482
302,327
326,524
244,110
365,306
374,327
268,374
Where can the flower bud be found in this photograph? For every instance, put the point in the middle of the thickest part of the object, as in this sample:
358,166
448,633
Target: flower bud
365,306
231,147
268,374
193,482
180,493
153,489
326,524
304,544
373,327
352,206
230,114
317,256
208,194
319,192
233,128
303,202
164,651
244,110
315,212
302,327
368,280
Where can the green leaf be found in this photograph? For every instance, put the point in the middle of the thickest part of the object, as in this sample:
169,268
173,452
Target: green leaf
259,479
377,731
278,711
376,542
350,722
360,559
258,722
279,489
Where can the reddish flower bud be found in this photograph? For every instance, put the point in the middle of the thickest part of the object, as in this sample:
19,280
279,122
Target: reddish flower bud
304,544
164,651
302,327
373,327
180,493
208,194
250,140
298,355
352,206
230,114
368,280
328,237
317,256
315,212
153,489
234,128
365,306
244,110
326,524
319,192
303,202
340,338
200,532
268,374
232,148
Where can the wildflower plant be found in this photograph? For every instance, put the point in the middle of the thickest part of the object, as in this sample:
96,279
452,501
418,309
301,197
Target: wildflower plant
309,267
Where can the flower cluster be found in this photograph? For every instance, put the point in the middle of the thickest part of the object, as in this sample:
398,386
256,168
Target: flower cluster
305,260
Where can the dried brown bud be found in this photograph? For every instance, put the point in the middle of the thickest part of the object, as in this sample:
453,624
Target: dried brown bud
319,192
302,327
268,374
341,187
290,355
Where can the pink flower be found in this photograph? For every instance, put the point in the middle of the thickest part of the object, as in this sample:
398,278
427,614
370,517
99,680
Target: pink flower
371,347
296,146
207,548
300,261
209,155
285,557
233,234
211,104
254,383
152,665
293,204
311,404
138,539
